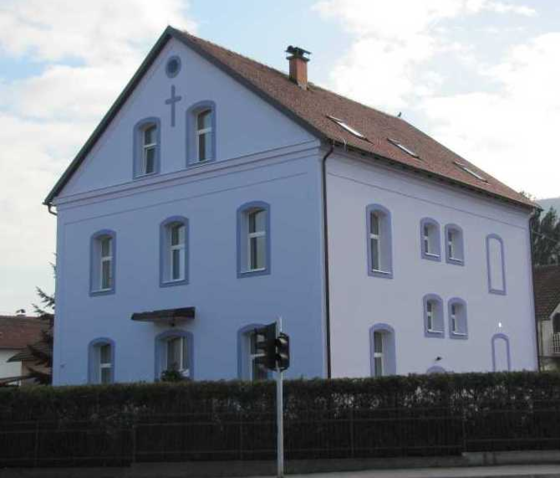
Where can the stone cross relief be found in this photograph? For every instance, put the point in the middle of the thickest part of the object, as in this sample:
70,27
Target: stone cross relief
173,101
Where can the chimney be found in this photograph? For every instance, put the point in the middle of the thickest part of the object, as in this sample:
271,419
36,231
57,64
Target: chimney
298,65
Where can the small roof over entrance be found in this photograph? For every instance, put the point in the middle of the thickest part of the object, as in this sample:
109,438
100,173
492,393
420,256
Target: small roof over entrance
167,316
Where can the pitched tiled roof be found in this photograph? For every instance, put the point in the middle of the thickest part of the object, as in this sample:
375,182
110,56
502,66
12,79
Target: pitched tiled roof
311,108
17,332
547,290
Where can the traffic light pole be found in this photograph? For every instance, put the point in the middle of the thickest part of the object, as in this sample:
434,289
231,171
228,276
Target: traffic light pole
279,410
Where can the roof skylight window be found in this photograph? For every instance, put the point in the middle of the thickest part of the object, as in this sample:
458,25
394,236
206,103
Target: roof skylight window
403,148
351,130
470,171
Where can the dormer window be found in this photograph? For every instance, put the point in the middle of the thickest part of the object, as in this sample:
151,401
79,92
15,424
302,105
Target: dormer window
402,147
470,171
147,146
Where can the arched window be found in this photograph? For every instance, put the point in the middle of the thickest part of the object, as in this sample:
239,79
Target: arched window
147,146
458,327
496,264
430,239
253,239
103,251
175,352
433,316
247,367
382,350
201,134
174,251
454,246
379,241
501,356
101,361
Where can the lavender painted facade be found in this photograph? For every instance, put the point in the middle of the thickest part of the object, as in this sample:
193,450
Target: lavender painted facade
262,157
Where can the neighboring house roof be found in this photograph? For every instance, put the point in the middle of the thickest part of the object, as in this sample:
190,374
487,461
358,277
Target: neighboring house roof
547,290
312,109
17,332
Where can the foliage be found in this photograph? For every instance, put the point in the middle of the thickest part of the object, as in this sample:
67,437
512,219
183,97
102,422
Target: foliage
172,376
416,415
546,238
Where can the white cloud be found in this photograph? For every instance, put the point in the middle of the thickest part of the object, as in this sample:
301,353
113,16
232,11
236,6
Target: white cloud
87,51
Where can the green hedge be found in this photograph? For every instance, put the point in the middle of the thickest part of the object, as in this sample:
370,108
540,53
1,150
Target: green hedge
420,415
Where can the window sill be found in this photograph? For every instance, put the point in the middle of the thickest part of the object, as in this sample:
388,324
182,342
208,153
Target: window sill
94,293
379,273
173,283
458,336
431,257
455,261
144,176
253,272
434,333
195,164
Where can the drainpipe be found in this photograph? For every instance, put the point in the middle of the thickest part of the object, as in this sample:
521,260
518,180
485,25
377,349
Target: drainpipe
326,256
538,336
49,206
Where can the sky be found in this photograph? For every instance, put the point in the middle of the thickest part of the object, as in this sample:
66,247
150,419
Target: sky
481,76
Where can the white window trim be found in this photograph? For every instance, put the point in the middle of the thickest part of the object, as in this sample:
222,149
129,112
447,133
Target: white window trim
183,344
181,247
431,311
201,132
377,238
102,260
255,235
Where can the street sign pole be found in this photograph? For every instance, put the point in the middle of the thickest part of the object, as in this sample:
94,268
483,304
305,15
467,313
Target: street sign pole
279,410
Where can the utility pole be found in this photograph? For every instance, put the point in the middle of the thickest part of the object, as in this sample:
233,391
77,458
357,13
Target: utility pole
279,410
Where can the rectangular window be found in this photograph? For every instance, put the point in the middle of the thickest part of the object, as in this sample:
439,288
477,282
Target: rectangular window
105,363
106,263
256,240
204,135
378,354
451,244
430,315
454,320
258,371
427,248
375,243
177,355
177,252
149,150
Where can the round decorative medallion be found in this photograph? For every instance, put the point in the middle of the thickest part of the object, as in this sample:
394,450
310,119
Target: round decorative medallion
173,66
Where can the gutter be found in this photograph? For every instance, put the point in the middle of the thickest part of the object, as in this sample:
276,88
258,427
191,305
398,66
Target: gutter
326,256
538,335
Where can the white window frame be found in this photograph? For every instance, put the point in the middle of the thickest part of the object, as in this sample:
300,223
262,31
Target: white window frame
377,237
251,336
180,247
104,365
430,318
203,131
428,246
146,147
379,354
451,244
183,359
254,236
105,259
454,320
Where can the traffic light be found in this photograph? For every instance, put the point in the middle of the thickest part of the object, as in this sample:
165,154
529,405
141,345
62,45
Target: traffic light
283,351
265,346
272,351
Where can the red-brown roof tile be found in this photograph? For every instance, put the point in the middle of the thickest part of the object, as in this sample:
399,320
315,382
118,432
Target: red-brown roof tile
17,332
547,290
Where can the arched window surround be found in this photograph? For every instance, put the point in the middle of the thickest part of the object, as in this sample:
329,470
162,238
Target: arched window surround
459,247
94,263
191,136
242,239
389,352
463,333
495,338
161,349
439,331
164,265
491,289
93,359
385,242
434,253
435,369
168,71
243,352
137,147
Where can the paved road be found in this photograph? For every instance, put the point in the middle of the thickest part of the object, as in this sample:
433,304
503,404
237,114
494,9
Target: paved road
517,471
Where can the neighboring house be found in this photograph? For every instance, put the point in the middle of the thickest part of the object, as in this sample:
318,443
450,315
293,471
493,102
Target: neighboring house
218,193
547,299
16,333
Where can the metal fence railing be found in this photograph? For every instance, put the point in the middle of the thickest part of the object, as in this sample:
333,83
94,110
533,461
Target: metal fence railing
352,433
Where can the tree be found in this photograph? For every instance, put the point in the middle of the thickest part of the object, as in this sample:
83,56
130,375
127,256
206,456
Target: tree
42,351
546,237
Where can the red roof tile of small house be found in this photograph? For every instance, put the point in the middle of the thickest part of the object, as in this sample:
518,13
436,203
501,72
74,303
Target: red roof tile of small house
547,290
17,332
